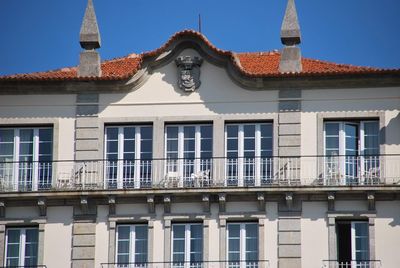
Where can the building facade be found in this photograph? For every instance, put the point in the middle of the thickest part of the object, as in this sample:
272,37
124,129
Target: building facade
191,156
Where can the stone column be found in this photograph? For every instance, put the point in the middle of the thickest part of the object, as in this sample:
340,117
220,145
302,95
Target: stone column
289,240
83,244
87,127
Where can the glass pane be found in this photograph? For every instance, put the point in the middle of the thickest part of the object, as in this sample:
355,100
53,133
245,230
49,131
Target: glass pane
129,145
146,132
112,133
196,231
266,130
123,232
147,146
45,148
332,129
189,145
123,259
26,148
206,145
189,131
46,134
251,230
234,230
232,144
141,232
249,130
123,246
234,244
206,132
232,131
6,135
26,135
196,245
13,236
129,133
172,132
266,143
179,245
31,235
6,148
179,231
141,246
112,146
361,228
332,142
371,128
249,144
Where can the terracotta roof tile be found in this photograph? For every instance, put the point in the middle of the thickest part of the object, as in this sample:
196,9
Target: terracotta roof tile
258,64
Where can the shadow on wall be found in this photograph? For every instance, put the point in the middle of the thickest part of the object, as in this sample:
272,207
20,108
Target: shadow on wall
390,134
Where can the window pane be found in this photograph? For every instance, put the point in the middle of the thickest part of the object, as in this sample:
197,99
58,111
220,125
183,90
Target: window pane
249,144
129,133
123,232
189,131
172,132
13,236
179,231
147,146
206,145
234,230
46,134
112,133
141,232
332,142
6,149
251,230
206,131
266,130
146,132
26,148
31,235
332,129
249,130
266,143
45,148
232,131
232,144
6,135
371,128
172,145
26,135
112,146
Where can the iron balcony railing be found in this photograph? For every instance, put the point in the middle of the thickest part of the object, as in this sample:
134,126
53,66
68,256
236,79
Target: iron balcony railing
191,264
195,173
352,264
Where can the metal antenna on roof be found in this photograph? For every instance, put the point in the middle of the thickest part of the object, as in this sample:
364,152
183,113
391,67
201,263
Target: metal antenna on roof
199,23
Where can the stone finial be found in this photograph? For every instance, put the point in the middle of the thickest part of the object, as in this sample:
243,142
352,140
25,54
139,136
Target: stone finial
290,36
290,31
89,36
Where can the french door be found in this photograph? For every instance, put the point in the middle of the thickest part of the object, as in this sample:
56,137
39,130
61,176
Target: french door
187,245
352,152
248,154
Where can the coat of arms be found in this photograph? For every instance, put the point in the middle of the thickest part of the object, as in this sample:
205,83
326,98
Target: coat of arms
189,72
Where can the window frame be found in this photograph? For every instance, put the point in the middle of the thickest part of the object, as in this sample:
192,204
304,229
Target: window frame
35,164
259,161
187,251
242,240
121,162
132,242
345,162
22,244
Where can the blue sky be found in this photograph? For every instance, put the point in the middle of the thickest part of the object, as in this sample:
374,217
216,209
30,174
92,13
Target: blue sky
38,35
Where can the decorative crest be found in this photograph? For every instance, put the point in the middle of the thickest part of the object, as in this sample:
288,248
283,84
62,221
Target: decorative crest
188,72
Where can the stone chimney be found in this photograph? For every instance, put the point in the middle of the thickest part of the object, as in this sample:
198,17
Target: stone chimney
290,37
89,38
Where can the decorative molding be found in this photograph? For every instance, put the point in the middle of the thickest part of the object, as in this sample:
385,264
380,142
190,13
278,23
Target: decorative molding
261,201
289,200
111,205
84,204
151,204
331,201
167,204
188,72
222,202
2,209
42,204
206,202
371,201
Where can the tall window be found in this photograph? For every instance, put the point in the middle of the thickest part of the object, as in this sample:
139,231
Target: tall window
242,245
189,154
249,154
21,247
353,243
187,245
26,156
352,151
129,156
132,245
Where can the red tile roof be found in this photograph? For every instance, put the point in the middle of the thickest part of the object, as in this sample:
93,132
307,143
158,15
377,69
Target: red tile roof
258,64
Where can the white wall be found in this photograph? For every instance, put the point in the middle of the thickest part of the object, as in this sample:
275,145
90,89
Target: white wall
387,233
314,234
58,237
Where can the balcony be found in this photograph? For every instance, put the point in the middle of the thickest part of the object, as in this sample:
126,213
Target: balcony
352,264
310,171
202,264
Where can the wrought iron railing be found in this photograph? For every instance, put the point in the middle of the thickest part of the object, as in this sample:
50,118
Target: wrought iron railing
352,264
199,173
191,264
